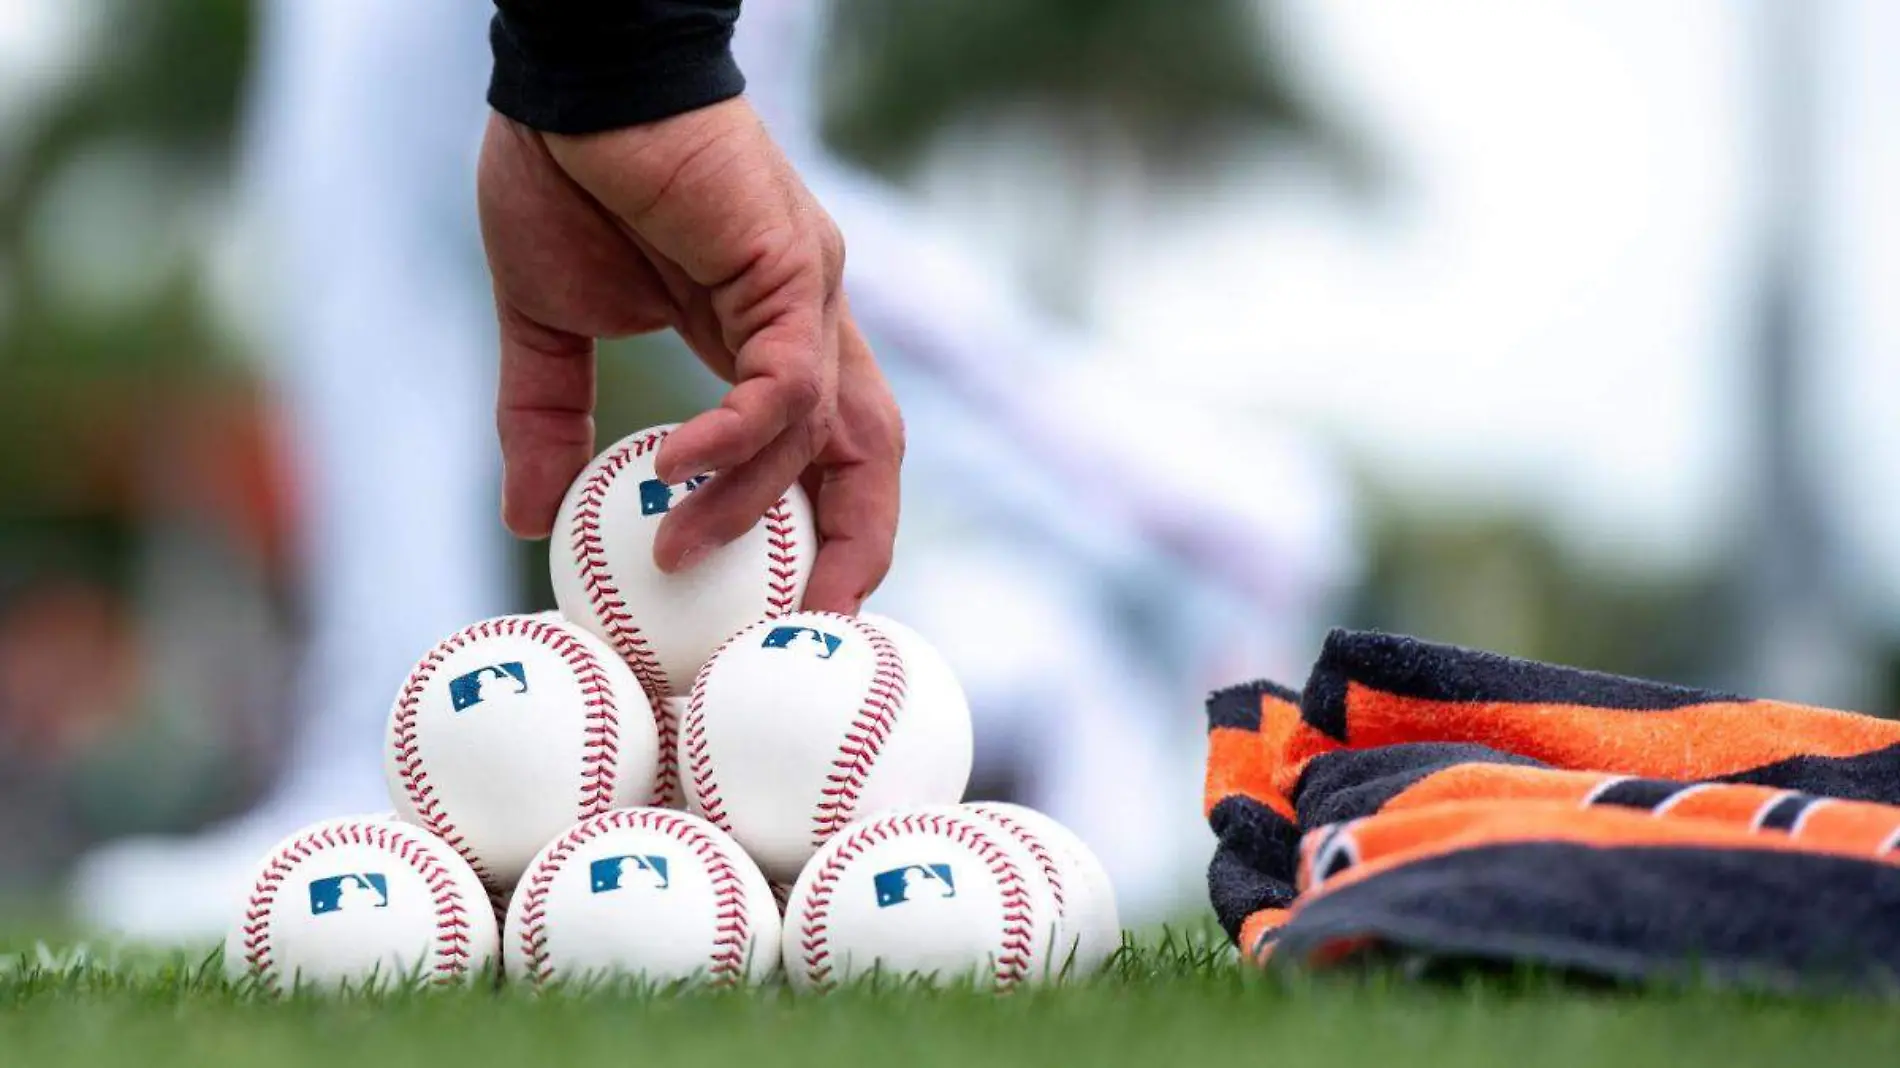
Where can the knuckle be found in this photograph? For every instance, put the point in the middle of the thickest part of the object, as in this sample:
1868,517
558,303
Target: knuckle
512,433
831,252
881,433
896,436
775,253
785,270
880,557
804,391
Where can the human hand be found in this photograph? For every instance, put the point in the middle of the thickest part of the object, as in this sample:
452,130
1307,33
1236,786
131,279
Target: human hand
697,223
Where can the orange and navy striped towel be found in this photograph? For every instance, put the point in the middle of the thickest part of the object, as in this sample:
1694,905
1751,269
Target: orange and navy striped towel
1435,803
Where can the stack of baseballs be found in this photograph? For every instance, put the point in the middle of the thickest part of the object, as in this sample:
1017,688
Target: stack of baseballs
678,777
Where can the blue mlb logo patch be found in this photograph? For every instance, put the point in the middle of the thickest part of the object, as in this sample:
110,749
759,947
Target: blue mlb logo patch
487,684
658,498
346,893
802,639
622,873
913,882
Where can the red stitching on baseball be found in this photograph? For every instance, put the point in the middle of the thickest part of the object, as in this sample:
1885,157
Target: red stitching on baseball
732,923
863,739
453,958
1050,869
1016,944
600,737
698,758
666,779
782,554
590,550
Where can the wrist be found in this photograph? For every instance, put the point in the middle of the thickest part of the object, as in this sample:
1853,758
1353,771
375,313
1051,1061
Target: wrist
583,66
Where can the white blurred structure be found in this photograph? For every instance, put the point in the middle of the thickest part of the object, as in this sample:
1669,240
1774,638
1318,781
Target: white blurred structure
361,161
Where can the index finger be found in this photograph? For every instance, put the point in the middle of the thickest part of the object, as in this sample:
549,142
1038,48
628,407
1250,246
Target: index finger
781,322
752,415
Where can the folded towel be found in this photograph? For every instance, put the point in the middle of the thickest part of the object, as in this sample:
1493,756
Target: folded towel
1438,802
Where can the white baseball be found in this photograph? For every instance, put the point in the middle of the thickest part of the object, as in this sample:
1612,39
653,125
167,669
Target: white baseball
927,673
799,725
1089,927
363,902
647,893
508,732
938,892
665,626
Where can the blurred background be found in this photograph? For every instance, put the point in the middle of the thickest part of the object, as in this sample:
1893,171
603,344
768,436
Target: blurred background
1554,327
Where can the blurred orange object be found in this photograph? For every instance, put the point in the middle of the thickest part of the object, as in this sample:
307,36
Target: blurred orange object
70,668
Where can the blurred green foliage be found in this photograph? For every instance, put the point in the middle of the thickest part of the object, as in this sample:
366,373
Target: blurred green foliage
1502,580
1113,93
1174,82
160,89
168,74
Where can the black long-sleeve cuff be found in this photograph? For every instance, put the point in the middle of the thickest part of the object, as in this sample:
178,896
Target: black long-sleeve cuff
583,66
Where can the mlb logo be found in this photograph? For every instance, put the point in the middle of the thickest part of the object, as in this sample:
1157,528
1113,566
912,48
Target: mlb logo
815,642
487,684
913,882
346,893
658,498
621,873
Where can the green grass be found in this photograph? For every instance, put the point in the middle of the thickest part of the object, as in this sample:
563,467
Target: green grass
1176,999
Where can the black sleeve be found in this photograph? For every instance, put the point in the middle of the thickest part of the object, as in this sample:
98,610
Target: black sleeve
582,66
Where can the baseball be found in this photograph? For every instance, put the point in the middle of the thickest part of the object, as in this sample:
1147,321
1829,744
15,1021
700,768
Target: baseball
665,626
509,731
1088,928
645,893
926,672
799,725
363,902
938,892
